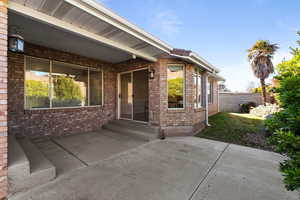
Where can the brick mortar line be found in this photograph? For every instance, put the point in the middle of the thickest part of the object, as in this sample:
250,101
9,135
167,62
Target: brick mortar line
69,152
210,169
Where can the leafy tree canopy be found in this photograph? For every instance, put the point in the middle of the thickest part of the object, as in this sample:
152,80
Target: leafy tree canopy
290,67
36,88
65,88
175,87
262,47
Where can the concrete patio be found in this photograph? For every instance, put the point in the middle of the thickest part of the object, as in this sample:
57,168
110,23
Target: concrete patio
185,168
72,152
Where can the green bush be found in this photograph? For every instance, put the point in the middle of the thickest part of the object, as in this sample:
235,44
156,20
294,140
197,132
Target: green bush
282,120
289,98
291,172
286,123
288,144
289,91
246,107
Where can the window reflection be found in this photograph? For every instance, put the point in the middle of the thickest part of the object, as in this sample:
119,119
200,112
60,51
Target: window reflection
70,85
175,86
95,87
210,88
56,84
37,83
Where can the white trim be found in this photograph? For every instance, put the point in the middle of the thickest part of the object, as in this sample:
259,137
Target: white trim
184,87
189,59
100,11
206,101
134,70
103,93
89,93
24,83
51,84
197,57
119,93
211,91
36,15
57,108
197,75
118,96
131,73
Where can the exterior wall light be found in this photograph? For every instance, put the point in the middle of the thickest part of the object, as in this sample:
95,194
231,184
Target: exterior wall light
16,43
151,73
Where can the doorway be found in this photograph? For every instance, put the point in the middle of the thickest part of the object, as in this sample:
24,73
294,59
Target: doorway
133,95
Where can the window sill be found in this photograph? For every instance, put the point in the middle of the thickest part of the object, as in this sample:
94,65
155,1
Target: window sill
62,108
176,110
199,109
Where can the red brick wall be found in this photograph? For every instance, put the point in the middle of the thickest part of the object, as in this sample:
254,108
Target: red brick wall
3,98
179,122
36,123
213,108
173,122
56,122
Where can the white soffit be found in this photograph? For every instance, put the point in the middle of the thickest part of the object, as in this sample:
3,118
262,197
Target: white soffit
44,35
92,20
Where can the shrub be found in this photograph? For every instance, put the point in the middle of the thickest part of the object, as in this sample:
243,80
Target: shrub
278,121
286,123
245,108
289,91
288,144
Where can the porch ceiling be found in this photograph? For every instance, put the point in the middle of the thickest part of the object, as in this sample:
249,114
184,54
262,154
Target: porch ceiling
48,36
83,26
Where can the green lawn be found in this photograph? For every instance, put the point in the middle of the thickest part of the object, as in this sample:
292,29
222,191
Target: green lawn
236,128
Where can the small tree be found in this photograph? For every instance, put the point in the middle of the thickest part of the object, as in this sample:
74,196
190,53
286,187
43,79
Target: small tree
66,91
260,55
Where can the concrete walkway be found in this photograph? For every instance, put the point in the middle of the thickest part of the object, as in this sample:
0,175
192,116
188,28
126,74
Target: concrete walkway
178,168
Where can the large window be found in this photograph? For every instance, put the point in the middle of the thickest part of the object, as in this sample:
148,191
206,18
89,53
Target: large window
198,89
210,91
175,86
52,84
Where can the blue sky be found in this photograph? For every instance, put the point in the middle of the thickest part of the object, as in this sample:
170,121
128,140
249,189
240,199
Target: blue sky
218,30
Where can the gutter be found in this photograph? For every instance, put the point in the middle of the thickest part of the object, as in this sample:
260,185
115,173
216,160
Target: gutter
217,77
197,57
190,59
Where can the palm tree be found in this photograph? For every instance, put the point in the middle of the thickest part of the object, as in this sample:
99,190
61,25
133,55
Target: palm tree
260,57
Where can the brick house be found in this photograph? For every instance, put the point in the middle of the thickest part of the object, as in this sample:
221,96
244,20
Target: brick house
83,66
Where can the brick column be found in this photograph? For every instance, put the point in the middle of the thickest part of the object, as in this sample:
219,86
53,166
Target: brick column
3,98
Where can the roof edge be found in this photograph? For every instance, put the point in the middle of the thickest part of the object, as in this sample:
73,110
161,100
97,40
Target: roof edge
190,59
124,24
196,56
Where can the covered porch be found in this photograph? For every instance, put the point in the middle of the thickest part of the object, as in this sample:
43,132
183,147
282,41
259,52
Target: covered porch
83,67
103,56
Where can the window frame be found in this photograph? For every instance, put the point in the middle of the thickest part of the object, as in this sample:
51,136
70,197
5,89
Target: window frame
51,85
199,101
211,92
184,86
